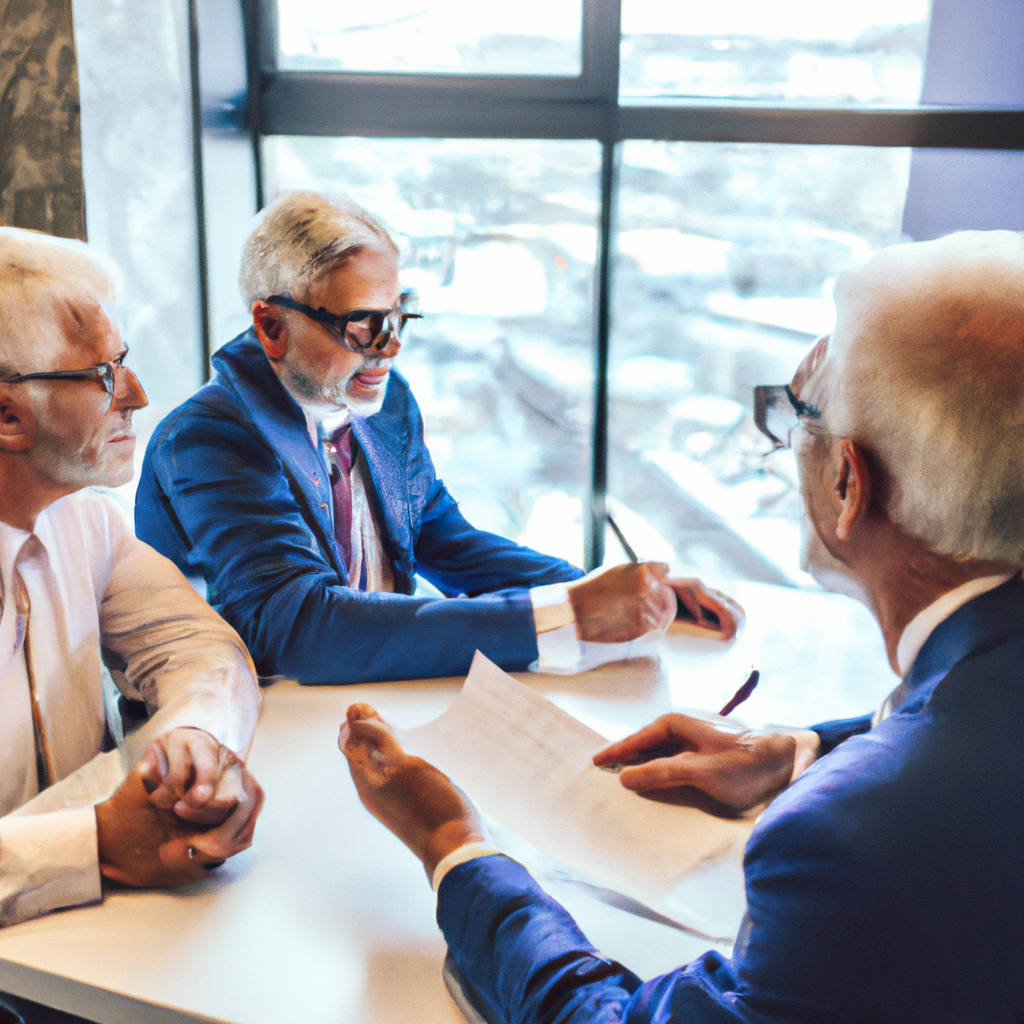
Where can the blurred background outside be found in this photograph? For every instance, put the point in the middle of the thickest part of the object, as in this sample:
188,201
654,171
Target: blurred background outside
724,255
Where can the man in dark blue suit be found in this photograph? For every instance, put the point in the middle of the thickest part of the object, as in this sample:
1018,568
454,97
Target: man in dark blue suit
884,881
297,487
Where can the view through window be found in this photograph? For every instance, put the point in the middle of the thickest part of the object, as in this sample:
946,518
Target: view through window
499,237
723,254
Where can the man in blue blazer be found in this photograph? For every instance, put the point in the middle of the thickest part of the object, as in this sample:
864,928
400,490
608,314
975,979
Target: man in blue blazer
884,881
296,486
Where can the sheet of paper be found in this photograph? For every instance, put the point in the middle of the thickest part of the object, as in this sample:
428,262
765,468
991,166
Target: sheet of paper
527,765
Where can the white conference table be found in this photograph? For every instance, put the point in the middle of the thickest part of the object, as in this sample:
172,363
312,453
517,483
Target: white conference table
329,920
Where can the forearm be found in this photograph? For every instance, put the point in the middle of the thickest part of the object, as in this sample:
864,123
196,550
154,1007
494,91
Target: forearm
180,657
522,952
460,559
48,850
320,632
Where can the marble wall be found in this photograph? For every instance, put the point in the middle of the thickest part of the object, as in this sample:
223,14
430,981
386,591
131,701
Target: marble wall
40,140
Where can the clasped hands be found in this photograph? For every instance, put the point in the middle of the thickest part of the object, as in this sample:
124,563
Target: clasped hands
433,817
187,805
629,601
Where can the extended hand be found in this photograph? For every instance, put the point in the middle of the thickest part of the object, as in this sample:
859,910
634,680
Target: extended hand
736,768
159,828
406,794
699,600
623,603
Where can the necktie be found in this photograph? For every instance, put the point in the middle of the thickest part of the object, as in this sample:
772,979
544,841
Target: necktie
341,485
44,756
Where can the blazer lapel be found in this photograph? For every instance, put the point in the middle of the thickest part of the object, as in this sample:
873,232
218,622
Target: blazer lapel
278,417
383,439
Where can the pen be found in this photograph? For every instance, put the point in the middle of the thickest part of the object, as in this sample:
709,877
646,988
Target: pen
682,612
742,693
669,751
626,546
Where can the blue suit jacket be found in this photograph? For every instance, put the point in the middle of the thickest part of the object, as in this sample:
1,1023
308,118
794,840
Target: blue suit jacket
233,490
885,886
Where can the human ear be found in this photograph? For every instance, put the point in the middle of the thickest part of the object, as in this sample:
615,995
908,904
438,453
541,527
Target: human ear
17,426
271,329
852,487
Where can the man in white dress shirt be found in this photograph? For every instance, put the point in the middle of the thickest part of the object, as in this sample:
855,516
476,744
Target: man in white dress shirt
176,799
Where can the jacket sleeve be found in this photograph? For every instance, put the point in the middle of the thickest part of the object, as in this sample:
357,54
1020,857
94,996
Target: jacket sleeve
523,960
212,488
460,559
833,733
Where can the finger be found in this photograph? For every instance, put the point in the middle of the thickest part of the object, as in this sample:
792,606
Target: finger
368,741
152,767
659,570
178,777
730,613
685,590
229,790
630,749
685,769
236,832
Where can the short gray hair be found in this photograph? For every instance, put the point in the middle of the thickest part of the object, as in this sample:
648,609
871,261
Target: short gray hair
302,236
41,278
929,374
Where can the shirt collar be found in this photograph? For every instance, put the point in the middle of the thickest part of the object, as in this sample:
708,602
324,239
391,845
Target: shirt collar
921,625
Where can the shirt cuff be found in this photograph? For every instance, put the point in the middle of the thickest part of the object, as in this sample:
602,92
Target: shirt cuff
48,861
561,652
460,856
552,608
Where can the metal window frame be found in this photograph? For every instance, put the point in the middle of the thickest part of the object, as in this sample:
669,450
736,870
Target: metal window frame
582,107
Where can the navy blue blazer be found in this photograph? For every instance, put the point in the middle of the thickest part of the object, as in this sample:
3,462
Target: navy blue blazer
234,491
885,886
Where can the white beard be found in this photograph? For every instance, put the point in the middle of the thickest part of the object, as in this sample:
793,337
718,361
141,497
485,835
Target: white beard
826,569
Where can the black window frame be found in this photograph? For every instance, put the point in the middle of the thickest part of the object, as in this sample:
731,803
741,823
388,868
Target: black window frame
387,105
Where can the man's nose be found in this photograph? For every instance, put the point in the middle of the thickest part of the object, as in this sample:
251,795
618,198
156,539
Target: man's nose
128,391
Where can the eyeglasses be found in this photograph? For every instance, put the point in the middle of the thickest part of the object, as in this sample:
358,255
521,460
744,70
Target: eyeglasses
362,329
778,412
103,372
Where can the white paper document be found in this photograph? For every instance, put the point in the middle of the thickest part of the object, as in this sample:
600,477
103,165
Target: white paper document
527,765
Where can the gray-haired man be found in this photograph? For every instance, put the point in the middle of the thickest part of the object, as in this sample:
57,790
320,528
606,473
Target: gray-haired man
297,485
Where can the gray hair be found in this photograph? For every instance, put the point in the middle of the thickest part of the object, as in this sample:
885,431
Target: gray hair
301,237
43,280
928,372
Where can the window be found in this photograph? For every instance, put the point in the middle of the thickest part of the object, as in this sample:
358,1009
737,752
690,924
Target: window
622,214
530,37
499,238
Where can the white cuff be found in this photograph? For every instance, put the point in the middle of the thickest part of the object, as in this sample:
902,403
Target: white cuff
551,607
48,861
460,856
561,652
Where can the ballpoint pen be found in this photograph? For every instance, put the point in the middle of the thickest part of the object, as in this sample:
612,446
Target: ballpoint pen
682,612
670,751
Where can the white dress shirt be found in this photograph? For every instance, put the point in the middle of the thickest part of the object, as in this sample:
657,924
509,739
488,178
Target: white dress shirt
90,582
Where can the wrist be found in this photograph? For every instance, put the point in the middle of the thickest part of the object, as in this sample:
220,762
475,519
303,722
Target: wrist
808,746
446,840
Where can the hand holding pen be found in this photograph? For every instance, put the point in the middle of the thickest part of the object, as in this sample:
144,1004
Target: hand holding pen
707,611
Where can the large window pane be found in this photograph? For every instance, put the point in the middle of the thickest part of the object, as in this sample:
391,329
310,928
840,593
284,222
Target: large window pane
500,239
830,51
726,258
530,37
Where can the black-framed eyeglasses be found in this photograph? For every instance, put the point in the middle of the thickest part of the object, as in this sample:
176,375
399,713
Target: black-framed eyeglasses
103,372
777,412
362,329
